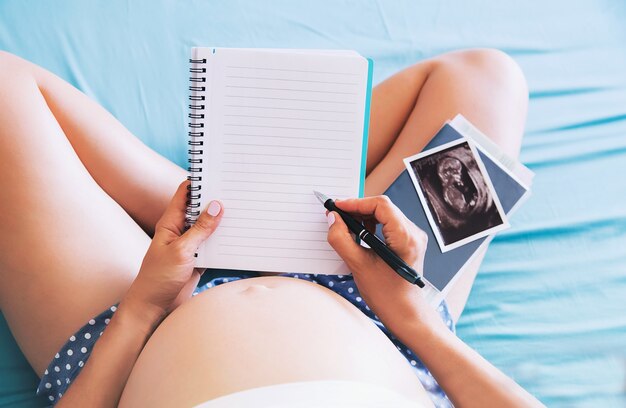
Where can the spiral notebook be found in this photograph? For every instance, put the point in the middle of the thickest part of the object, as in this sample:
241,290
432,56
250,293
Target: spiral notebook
267,127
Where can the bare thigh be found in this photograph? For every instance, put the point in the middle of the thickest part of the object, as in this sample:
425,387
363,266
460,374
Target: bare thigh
68,249
486,86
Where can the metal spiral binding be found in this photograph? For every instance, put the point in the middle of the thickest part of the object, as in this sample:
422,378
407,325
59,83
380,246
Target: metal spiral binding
197,87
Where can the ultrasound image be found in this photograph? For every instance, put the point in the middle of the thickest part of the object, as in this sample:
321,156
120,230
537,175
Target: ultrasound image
456,192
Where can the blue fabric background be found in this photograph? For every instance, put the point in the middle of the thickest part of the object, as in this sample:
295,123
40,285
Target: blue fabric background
548,306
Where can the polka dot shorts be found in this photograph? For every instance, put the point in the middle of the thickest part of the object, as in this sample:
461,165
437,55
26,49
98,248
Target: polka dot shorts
68,362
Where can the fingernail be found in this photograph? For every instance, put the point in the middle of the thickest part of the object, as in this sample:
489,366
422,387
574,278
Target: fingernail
214,208
330,218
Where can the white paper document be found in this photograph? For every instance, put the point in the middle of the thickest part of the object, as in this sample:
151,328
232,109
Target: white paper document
276,125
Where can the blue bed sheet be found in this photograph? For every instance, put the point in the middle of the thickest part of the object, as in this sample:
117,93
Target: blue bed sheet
548,306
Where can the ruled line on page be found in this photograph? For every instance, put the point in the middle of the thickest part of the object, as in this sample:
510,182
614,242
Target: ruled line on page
288,137
272,210
289,127
289,146
307,194
280,183
272,219
268,192
272,238
238,198
288,109
276,247
289,99
338,190
289,155
288,165
292,70
272,229
287,118
290,89
269,201
291,80
317,258
270,173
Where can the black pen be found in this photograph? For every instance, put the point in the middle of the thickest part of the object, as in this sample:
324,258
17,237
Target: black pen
394,261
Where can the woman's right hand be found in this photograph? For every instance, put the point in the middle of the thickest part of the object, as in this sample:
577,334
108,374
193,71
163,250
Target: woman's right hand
394,300
167,276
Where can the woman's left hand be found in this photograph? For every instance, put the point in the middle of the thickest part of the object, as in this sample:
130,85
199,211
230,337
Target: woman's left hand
167,276
394,300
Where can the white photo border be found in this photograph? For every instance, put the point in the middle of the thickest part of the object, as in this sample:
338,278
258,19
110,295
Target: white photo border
433,225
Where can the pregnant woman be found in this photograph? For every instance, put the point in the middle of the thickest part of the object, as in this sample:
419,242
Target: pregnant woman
97,274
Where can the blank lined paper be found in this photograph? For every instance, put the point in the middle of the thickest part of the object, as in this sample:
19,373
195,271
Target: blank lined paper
278,126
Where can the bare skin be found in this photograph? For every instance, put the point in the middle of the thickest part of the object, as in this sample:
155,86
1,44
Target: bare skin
304,332
125,187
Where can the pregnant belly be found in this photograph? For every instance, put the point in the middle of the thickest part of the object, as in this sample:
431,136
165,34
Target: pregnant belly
259,332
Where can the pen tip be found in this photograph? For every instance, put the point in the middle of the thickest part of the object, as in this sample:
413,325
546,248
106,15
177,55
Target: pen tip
321,197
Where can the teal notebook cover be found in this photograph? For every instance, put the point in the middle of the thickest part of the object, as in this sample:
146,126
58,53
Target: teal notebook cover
366,124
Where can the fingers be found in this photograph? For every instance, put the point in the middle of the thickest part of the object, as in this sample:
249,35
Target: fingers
381,207
187,291
342,242
172,222
370,225
204,226
401,235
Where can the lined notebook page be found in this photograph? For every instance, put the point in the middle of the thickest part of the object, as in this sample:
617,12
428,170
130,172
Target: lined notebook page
278,126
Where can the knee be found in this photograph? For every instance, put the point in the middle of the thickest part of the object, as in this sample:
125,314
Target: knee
489,88
497,64
492,66
7,59
13,68
9,65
